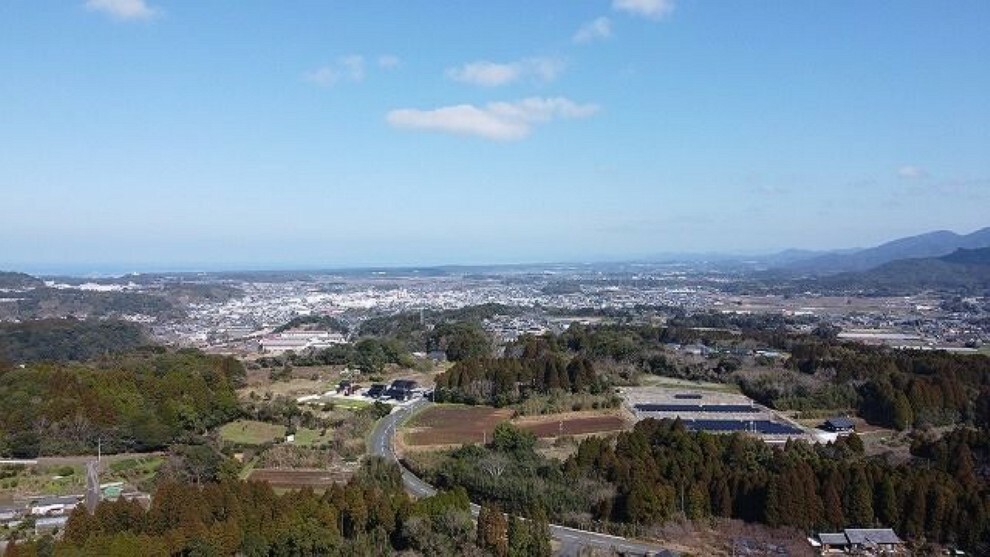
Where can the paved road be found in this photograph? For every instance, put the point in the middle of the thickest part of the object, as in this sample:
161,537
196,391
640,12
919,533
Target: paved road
572,540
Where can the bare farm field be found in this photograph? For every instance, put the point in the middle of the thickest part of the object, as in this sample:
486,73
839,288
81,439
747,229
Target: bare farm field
456,425
574,423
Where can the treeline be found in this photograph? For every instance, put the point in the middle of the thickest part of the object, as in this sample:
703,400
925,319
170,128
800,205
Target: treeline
509,473
141,400
429,330
369,355
43,303
502,381
894,388
660,470
370,515
315,322
59,340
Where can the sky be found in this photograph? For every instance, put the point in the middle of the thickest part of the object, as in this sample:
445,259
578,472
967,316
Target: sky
168,134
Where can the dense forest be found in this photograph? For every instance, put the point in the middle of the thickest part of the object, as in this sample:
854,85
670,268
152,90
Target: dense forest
60,340
369,355
889,387
435,330
660,471
503,381
141,400
43,303
370,515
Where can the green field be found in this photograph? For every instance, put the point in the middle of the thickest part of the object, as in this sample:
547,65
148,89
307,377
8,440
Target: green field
250,432
672,383
347,403
135,470
306,437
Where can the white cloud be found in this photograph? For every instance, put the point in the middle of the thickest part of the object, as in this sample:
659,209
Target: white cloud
598,29
653,9
388,61
911,172
123,9
353,67
501,121
349,68
488,74
492,74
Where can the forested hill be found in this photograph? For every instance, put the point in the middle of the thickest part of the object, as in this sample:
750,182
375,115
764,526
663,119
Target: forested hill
142,400
965,270
18,281
60,340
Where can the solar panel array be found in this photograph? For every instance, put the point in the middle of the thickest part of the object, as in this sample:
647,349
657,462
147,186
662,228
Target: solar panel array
766,427
688,396
722,408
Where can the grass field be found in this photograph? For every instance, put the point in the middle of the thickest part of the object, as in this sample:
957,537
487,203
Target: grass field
306,437
348,403
672,383
249,432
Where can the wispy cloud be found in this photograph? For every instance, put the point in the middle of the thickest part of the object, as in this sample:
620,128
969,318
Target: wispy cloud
492,74
770,191
652,9
124,10
346,68
595,30
388,61
500,121
911,172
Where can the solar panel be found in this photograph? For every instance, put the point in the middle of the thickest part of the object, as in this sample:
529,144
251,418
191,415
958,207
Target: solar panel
688,396
717,408
765,427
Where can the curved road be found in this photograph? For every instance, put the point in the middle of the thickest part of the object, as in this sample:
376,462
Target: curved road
572,540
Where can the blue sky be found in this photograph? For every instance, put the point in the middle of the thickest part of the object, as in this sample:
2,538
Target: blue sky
223,133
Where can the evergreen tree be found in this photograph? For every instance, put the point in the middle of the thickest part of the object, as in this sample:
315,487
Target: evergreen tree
860,500
493,529
886,505
519,539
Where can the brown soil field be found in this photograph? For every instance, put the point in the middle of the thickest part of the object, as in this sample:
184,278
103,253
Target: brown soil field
575,426
455,425
300,478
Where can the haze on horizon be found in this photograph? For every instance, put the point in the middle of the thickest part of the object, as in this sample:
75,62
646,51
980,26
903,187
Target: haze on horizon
162,134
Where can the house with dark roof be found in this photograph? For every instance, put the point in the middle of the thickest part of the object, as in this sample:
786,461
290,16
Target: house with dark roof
402,389
840,424
859,541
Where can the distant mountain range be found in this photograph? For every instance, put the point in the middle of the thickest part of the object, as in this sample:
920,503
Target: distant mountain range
964,271
930,245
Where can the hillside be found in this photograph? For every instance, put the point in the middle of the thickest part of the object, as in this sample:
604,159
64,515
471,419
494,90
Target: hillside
964,271
18,281
61,340
929,245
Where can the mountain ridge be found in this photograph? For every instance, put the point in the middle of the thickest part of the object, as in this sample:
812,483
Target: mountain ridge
933,244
